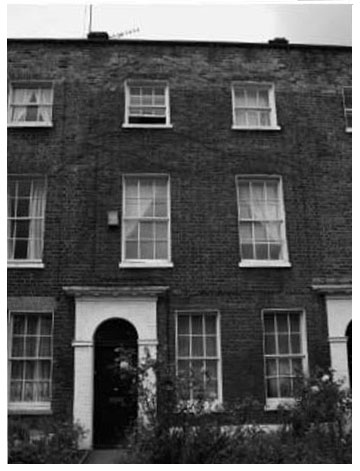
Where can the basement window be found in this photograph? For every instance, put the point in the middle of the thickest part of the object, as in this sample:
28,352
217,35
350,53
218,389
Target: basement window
147,104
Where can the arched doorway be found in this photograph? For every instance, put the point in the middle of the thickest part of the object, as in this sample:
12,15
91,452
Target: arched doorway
348,334
115,381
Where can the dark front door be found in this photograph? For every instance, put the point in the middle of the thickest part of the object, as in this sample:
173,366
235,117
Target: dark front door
115,382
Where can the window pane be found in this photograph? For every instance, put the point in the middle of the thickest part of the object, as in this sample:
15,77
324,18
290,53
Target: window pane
21,249
184,379
161,209
261,251
240,117
31,346
17,369
260,231
258,191
252,118
146,188
272,388
282,322
161,230
283,340
15,391
131,230
197,346
210,324
43,391
183,324
22,209
264,118
247,251
45,347
246,231
211,383
197,324
270,346
275,252
29,391
269,323
198,378
17,347
240,97
285,387
131,207
211,346
131,188
183,346
147,250
295,343
284,366
22,229
263,98
297,368
161,250
131,250
161,191
271,367
18,324
294,323
251,95
244,191
33,325
146,230
272,190
146,208
31,113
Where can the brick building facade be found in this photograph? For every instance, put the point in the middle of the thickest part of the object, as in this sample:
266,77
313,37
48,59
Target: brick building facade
190,199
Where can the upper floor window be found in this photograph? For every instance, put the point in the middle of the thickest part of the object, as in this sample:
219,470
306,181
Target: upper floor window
253,106
30,104
30,360
347,100
198,355
284,353
261,221
26,218
146,221
147,104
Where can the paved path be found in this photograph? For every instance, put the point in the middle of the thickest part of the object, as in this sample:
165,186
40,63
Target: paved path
111,456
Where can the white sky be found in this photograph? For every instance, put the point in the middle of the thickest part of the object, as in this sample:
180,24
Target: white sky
301,22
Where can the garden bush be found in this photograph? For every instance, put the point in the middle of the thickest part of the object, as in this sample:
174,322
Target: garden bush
316,429
51,442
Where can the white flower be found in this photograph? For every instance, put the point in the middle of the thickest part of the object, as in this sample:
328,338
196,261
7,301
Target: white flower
315,389
124,365
325,378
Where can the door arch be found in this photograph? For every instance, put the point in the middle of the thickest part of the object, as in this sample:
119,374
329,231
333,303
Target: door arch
348,334
115,381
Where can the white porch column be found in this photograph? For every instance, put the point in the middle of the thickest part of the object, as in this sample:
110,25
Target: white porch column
83,390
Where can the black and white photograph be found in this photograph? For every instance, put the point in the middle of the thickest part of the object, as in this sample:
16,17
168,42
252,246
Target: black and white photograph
179,232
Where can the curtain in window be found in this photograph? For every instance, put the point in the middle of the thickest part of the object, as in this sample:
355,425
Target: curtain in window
45,98
21,96
36,213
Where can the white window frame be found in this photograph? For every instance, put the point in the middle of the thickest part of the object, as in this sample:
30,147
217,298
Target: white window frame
347,111
272,106
28,85
145,263
32,407
213,405
253,263
27,262
147,84
275,402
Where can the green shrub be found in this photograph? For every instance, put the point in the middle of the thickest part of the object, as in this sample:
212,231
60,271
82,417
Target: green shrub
52,442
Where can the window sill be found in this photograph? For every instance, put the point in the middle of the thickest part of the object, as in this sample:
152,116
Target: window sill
146,264
274,404
25,264
264,264
29,408
32,124
147,126
255,128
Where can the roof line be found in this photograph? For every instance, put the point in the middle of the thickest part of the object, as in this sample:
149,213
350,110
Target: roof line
176,41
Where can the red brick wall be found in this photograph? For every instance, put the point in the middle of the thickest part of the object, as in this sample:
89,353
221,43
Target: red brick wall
87,151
